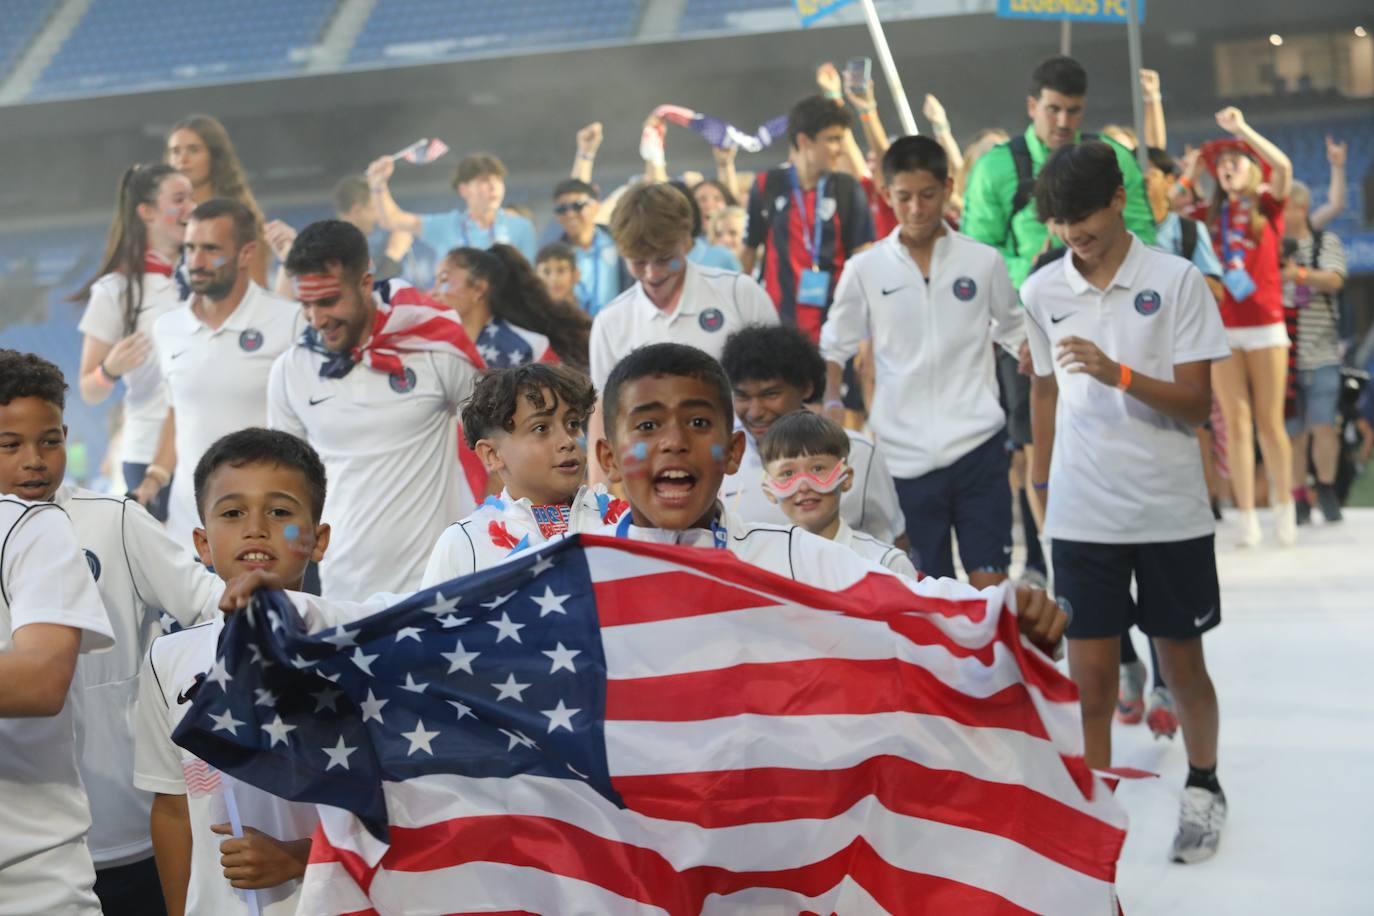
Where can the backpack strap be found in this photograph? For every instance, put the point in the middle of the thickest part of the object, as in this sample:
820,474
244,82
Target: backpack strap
1188,230
1025,183
1049,257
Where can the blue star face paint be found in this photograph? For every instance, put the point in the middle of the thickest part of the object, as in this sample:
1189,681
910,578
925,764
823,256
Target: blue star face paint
292,532
634,459
676,264
718,453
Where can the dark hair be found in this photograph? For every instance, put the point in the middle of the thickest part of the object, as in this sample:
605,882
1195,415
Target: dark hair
915,154
665,359
349,193
1063,75
516,294
1076,181
245,224
803,433
730,199
1161,160
126,244
495,398
478,165
28,375
556,251
575,186
691,202
325,242
256,445
761,352
227,178
814,114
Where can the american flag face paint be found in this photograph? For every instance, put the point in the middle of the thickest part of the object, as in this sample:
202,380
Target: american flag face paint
634,459
314,287
785,489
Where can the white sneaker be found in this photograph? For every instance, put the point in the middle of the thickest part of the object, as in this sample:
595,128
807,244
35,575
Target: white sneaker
1250,529
1201,816
1286,524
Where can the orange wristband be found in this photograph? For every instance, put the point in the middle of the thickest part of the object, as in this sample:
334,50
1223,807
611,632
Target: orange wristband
1125,381
1302,274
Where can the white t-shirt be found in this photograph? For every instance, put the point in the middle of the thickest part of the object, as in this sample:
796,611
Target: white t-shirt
45,866
217,382
1123,473
714,304
391,454
145,401
935,393
502,526
874,550
140,573
870,505
160,766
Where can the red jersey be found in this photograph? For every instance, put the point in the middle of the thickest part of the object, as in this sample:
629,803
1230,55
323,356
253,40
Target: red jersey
884,219
1237,247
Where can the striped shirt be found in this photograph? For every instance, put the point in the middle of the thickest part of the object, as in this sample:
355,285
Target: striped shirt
1318,313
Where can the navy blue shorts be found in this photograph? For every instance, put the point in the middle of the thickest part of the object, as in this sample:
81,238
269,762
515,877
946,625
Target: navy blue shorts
971,497
1177,595
133,476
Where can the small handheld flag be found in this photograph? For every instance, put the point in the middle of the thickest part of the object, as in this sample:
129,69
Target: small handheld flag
422,151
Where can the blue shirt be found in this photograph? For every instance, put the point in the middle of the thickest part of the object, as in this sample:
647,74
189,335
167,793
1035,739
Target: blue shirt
1169,237
717,256
454,229
417,265
599,267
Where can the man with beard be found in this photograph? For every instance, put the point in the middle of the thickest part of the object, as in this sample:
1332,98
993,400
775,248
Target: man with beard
374,385
217,350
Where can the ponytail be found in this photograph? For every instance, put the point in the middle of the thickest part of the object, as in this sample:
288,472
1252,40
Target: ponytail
126,245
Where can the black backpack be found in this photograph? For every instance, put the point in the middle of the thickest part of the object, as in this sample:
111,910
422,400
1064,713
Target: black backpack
1025,178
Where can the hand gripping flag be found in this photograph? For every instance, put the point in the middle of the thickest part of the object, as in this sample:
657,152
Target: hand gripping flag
422,151
609,726
722,134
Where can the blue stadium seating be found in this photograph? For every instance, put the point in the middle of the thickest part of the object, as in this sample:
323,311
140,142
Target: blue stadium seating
402,31
718,15
22,20
130,44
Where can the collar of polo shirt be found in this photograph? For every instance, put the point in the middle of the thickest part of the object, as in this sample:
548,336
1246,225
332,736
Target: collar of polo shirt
1126,274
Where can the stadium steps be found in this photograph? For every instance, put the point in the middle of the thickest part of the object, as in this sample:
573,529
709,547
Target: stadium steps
340,36
660,20
42,50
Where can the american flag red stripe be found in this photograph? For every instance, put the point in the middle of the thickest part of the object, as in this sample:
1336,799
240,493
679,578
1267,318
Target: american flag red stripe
408,321
889,748
201,778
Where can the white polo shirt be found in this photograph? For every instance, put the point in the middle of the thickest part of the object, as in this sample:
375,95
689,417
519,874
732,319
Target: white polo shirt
875,551
870,505
1123,473
714,304
45,866
140,573
145,401
170,668
935,394
391,453
217,382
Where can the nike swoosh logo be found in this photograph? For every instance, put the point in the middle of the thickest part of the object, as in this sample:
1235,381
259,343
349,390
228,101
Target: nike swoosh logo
1056,319
182,353
314,401
189,693
1202,621
888,292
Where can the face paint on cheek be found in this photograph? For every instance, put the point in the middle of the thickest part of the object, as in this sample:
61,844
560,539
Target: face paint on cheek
634,460
218,262
675,265
718,453
581,442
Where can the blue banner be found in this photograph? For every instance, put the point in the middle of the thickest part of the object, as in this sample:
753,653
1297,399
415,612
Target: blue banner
813,10
1073,10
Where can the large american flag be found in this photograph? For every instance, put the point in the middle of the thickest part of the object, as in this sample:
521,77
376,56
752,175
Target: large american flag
608,726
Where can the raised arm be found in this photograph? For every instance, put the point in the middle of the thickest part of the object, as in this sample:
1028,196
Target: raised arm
1335,192
389,214
588,142
653,150
939,129
1155,133
1233,122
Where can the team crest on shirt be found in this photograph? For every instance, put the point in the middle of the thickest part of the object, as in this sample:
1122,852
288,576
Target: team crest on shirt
93,562
250,341
825,210
965,289
712,320
1147,302
403,382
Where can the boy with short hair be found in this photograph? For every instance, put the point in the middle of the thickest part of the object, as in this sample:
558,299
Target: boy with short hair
1123,338
556,266
805,458
50,613
774,371
671,439
527,425
260,494
140,571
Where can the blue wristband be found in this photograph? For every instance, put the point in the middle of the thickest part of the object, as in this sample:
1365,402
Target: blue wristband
1041,486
